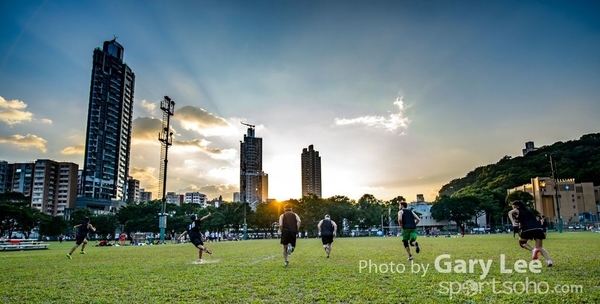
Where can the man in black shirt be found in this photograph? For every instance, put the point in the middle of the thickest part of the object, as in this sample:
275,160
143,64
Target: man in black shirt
82,235
289,225
193,230
530,229
328,229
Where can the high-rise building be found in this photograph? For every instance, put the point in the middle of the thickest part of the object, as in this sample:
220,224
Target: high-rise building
21,178
311,172
108,133
145,196
251,174
54,186
4,176
133,190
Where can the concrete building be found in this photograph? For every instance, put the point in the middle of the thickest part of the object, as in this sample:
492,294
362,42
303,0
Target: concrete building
21,178
529,147
4,177
311,172
108,133
133,190
578,202
251,174
174,198
145,196
195,198
50,185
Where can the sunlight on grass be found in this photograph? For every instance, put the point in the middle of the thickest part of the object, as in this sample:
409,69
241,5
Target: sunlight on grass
360,270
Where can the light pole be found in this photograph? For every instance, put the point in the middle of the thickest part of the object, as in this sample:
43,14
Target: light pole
166,138
245,224
554,178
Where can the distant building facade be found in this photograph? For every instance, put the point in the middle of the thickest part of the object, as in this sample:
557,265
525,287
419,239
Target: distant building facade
145,196
579,202
50,185
251,174
529,147
195,198
311,172
133,190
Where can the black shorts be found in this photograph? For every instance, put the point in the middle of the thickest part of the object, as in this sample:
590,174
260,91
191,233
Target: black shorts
533,234
327,239
288,238
197,241
80,239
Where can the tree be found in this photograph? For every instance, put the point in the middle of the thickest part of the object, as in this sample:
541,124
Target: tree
453,209
106,224
52,225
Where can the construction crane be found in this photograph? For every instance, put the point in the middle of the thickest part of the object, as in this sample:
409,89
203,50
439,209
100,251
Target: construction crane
247,124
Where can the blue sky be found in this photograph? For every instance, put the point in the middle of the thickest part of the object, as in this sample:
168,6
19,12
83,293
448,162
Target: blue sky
398,97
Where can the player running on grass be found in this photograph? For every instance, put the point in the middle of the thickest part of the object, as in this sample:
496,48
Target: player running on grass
530,229
82,235
193,230
328,229
289,225
408,220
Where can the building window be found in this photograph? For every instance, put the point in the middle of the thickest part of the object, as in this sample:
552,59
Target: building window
573,206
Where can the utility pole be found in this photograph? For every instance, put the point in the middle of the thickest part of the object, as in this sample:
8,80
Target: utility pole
166,139
556,195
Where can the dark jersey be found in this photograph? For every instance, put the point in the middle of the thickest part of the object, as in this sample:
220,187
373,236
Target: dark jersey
527,220
326,227
83,230
408,220
289,222
193,229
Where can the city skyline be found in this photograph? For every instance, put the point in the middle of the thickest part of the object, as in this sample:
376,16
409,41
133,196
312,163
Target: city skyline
400,97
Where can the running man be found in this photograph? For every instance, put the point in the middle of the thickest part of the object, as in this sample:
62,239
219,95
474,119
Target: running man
289,225
327,229
82,235
193,230
530,229
408,220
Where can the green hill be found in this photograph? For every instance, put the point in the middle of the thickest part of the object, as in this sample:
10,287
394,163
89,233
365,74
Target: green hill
579,159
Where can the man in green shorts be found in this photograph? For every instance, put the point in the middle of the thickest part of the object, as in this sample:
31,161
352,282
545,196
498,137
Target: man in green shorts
408,220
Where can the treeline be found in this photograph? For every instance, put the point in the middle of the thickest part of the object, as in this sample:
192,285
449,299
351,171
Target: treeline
481,191
366,213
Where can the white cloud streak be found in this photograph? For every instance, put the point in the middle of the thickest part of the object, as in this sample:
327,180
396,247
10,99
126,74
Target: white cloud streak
393,122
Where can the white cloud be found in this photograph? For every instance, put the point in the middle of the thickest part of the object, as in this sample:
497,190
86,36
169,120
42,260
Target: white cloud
12,104
393,122
149,106
46,121
77,150
25,142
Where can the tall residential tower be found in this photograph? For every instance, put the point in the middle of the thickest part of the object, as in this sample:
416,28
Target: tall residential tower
251,174
108,133
311,172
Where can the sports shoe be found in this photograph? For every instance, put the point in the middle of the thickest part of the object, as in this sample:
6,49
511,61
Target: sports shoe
290,249
549,263
286,263
69,256
82,252
534,253
207,250
410,257
418,249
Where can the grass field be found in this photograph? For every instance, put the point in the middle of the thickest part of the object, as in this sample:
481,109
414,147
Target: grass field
253,272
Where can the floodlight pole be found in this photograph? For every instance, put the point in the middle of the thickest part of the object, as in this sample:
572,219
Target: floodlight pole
166,138
554,178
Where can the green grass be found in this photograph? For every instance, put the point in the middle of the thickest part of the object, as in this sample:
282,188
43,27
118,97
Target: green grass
253,272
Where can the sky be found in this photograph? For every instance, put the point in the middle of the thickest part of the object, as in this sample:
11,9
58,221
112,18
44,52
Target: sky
398,97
